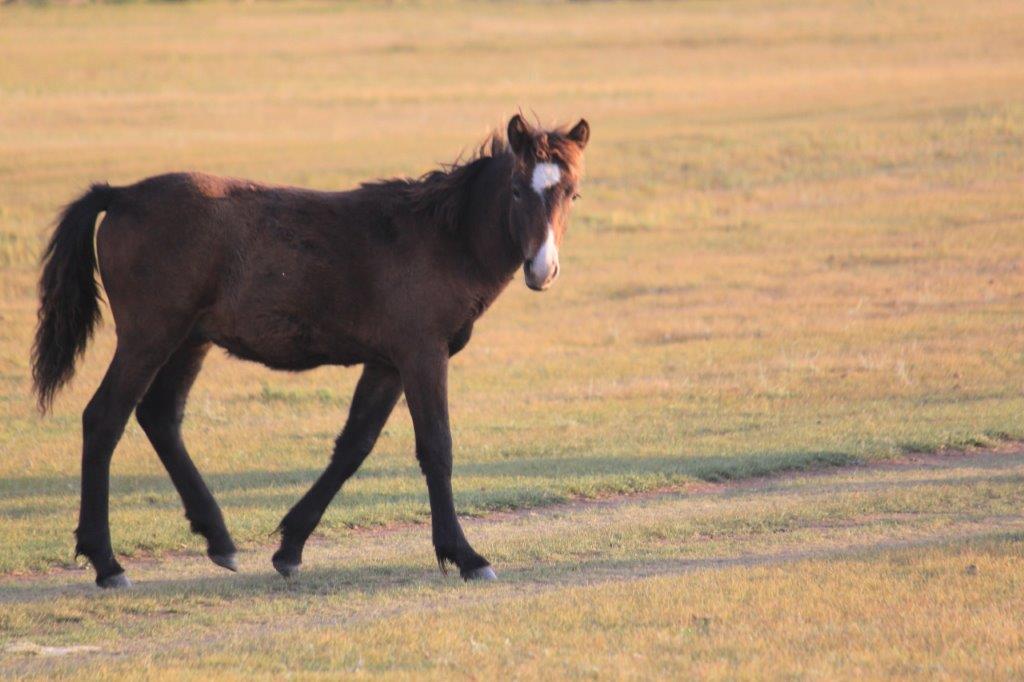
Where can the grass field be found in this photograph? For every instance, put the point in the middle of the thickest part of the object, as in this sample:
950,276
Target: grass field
801,243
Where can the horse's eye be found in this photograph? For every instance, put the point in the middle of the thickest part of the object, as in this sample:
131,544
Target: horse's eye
576,196
515,193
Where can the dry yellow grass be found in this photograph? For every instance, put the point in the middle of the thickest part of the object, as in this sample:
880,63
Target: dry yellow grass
799,243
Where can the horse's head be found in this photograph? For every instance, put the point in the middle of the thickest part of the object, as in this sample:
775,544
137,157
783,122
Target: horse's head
545,183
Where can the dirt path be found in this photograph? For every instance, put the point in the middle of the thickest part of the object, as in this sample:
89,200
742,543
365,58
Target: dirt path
907,472
831,514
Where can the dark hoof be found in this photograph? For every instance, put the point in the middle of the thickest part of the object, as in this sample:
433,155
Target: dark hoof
113,582
482,573
228,561
286,568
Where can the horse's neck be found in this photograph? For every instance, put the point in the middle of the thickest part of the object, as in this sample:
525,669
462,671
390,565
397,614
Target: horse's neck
488,236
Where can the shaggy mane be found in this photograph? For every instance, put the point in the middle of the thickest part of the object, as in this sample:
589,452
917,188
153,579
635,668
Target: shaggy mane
442,195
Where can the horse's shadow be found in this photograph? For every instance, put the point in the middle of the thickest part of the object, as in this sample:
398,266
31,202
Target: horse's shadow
705,468
36,496
365,580
242,491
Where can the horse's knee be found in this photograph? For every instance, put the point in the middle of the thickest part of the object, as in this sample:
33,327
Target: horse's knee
434,464
148,416
350,452
154,414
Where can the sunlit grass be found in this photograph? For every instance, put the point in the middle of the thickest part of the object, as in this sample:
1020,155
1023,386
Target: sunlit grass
799,243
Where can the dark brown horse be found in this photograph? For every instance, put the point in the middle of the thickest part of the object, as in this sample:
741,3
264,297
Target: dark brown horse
391,276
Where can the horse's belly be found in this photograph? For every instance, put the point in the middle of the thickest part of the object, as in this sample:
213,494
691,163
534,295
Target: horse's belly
287,343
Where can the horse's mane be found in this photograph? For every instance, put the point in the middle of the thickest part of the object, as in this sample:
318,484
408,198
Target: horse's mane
442,195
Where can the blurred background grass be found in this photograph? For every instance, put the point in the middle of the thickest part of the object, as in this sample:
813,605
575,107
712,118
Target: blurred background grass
800,240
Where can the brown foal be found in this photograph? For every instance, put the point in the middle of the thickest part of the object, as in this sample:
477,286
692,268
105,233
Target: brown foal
391,275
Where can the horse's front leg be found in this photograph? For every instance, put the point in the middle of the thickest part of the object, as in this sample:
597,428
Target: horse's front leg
425,379
376,394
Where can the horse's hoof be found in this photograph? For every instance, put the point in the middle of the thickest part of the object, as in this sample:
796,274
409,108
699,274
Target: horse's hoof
228,561
287,569
114,582
482,573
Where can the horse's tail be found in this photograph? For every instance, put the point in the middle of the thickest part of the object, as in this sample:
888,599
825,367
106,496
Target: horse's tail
68,294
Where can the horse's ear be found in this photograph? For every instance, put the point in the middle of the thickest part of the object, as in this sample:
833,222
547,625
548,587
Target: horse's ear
518,134
580,133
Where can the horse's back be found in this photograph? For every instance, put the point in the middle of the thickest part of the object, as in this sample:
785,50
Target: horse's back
289,277
193,227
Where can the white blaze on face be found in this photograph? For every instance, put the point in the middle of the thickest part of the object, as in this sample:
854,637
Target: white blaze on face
544,264
545,175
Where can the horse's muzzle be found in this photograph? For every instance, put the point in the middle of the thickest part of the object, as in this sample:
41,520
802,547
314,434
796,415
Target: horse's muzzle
540,277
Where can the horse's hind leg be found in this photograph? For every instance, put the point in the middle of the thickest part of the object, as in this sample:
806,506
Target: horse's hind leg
376,394
103,422
160,414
